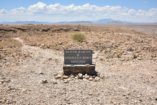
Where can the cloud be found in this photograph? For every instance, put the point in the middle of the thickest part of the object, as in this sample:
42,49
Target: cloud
56,12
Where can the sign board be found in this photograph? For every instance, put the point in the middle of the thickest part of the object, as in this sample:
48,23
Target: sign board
77,57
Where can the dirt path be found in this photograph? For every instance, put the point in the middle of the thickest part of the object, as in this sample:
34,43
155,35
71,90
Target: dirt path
131,83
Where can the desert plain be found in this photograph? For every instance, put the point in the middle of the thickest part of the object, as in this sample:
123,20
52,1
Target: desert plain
32,57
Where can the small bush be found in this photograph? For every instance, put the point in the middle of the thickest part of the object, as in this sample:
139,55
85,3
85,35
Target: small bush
118,53
78,37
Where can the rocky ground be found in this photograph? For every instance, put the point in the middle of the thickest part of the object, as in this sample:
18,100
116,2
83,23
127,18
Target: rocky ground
127,68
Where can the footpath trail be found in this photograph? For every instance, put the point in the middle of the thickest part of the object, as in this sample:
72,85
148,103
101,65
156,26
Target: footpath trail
131,83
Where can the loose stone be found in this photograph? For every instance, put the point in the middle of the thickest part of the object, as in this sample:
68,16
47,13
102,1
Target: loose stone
55,74
58,76
80,76
44,81
86,76
97,79
65,77
90,79
54,82
66,81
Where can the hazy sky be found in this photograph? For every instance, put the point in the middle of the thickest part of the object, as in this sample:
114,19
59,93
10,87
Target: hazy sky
74,10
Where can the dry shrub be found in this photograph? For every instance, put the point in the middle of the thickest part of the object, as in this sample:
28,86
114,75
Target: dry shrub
78,37
118,53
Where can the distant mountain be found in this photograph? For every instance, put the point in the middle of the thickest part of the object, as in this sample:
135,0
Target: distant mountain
103,21
74,22
86,22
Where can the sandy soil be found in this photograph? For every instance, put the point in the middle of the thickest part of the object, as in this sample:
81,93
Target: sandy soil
132,83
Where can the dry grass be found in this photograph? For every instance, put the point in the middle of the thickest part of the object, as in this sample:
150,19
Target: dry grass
116,40
9,43
52,41
8,47
112,41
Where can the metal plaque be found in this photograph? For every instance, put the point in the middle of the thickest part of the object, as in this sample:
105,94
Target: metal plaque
77,57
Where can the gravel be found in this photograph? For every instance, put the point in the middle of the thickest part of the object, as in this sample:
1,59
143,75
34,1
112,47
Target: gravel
119,83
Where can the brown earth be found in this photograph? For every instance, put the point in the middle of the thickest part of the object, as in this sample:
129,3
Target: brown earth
30,55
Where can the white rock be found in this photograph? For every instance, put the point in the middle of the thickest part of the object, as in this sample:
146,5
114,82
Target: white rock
55,74
84,79
97,79
90,79
24,90
65,77
86,76
58,76
69,79
76,77
80,76
1,81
